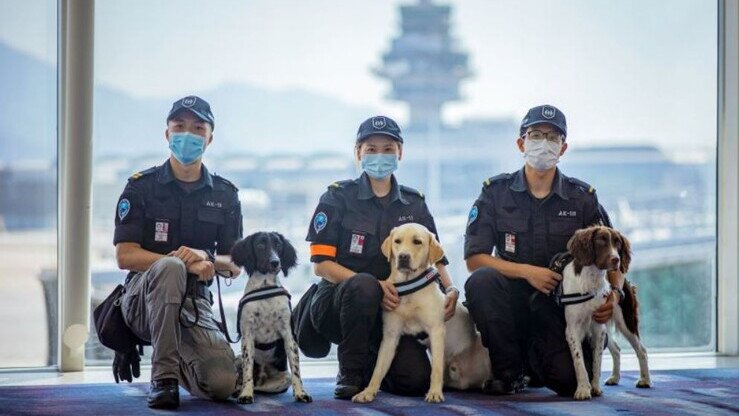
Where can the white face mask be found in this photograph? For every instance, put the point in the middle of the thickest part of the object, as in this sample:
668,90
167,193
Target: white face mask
541,154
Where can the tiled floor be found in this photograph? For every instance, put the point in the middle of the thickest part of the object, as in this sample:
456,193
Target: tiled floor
313,369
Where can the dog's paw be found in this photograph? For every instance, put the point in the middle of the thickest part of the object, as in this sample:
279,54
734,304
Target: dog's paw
245,399
612,381
596,391
365,396
583,392
434,396
303,397
644,383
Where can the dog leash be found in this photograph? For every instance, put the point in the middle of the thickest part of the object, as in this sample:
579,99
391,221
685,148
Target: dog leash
222,325
429,276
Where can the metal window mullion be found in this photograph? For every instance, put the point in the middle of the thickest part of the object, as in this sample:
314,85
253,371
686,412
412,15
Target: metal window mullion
75,91
728,177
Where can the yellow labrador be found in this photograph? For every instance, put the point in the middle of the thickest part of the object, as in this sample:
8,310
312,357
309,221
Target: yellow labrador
466,360
411,249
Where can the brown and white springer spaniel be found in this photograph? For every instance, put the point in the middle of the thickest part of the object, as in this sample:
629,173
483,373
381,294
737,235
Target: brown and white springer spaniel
596,251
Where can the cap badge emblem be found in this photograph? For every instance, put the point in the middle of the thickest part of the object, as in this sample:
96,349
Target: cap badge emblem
548,112
378,122
189,101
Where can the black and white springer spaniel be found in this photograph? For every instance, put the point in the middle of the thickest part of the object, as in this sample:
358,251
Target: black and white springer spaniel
264,318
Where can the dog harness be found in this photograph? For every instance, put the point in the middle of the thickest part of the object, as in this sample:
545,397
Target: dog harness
558,264
429,276
253,296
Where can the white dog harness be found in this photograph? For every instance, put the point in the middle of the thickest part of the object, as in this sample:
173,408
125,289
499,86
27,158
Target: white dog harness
253,296
429,276
558,264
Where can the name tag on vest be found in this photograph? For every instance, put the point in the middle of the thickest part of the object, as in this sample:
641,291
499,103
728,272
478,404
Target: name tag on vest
161,231
357,245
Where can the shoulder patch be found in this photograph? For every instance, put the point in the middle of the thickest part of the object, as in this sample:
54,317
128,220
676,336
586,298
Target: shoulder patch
497,178
138,175
410,190
582,185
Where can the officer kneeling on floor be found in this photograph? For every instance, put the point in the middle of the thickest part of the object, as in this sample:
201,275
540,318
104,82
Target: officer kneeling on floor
352,220
174,227
527,217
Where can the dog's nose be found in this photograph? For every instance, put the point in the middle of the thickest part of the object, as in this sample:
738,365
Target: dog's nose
614,261
274,263
404,258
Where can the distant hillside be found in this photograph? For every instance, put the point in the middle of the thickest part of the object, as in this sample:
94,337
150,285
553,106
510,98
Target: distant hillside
248,119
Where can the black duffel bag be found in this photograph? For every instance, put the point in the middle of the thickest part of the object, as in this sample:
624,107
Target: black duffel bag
111,327
310,342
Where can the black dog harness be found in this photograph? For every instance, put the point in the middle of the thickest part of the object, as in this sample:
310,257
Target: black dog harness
253,296
557,265
426,278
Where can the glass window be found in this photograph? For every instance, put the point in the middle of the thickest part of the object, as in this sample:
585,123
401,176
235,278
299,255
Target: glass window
288,95
28,183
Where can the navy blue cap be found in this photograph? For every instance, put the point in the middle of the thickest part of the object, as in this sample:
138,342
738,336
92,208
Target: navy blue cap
379,125
195,105
545,114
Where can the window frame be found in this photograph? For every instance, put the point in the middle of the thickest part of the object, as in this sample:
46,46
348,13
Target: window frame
727,232
77,302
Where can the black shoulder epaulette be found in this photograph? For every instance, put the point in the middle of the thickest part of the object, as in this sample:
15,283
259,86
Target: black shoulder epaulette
410,190
340,184
491,180
582,185
225,181
138,175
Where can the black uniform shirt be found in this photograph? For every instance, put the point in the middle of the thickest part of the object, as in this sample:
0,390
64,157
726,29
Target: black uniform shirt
351,223
155,212
523,229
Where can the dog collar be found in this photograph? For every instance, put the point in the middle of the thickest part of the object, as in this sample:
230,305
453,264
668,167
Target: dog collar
426,278
255,295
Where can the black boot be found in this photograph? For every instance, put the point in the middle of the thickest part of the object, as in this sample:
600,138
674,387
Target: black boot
348,383
500,387
164,394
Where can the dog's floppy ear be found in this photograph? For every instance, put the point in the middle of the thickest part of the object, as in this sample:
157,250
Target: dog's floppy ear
242,254
581,247
387,246
624,252
288,256
436,252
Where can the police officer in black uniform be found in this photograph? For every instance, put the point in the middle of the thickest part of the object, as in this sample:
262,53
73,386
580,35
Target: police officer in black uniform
527,217
174,226
351,221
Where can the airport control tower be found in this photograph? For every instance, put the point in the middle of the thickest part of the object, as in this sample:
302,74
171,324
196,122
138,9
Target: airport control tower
424,64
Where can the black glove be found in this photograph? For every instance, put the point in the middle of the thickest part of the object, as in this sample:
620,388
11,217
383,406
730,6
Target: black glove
126,365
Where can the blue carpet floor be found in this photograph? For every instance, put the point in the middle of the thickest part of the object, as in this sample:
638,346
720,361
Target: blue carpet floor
684,392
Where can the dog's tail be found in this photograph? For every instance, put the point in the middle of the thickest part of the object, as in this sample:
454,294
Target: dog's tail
630,308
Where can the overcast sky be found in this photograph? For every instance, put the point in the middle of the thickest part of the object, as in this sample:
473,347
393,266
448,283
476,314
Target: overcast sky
622,71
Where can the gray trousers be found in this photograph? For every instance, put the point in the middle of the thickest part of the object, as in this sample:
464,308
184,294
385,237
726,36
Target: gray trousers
199,356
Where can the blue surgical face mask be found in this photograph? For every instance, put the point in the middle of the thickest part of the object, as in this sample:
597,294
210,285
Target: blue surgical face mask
186,147
379,165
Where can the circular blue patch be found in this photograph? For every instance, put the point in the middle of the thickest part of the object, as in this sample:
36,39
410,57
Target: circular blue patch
473,215
320,221
123,208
